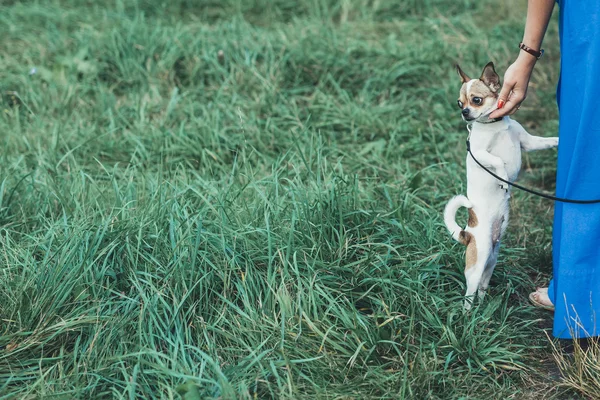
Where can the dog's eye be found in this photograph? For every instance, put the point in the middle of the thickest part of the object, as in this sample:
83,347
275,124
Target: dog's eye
477,100
460,103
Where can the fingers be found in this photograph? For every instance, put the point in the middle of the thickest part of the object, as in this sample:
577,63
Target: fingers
513,104
504,93
508,106
502,100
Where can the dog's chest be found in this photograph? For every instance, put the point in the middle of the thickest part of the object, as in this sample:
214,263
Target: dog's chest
504,144
508,148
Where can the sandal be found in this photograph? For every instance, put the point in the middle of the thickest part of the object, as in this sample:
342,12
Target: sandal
536,302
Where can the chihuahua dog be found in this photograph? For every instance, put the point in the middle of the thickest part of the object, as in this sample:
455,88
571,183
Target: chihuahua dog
496,144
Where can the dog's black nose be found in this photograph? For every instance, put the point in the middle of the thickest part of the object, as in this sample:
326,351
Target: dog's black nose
465,111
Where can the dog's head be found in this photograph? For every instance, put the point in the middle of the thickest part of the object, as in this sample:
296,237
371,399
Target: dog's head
478,97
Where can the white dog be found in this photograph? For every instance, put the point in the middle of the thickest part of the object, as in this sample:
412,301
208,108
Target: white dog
497,145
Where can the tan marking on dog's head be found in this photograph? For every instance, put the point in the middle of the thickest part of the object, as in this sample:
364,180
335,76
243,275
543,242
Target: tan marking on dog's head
479,90
473,222
463,100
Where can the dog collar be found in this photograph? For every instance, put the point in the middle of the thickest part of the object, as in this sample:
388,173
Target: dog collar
491,121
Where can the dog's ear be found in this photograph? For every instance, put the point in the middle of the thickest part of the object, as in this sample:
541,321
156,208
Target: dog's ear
490,77
464,77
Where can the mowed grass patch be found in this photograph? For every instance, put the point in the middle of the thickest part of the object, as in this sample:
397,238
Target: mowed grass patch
242,200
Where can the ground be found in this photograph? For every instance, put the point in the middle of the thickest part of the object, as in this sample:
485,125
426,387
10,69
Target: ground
242,199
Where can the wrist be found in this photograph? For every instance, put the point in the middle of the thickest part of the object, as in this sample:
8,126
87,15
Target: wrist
526,60
536,53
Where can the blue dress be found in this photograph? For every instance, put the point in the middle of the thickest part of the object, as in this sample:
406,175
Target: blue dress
575,288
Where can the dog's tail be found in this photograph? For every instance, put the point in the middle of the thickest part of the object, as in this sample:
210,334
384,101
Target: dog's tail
450,214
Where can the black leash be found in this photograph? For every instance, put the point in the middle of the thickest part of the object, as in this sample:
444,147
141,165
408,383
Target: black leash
546,196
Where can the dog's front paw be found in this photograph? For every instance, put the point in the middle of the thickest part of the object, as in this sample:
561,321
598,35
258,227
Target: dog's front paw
555,142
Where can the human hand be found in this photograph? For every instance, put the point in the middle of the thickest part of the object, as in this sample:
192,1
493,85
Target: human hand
514,88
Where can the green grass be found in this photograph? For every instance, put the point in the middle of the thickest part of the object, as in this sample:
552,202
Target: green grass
242,199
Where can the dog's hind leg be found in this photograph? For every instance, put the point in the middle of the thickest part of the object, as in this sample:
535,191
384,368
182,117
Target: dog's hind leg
473,276
487,272
498,228
476,262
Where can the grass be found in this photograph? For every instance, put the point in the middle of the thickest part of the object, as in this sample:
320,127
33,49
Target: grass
242,199
579,368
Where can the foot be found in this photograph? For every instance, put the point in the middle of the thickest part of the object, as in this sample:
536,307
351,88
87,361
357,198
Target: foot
540,298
